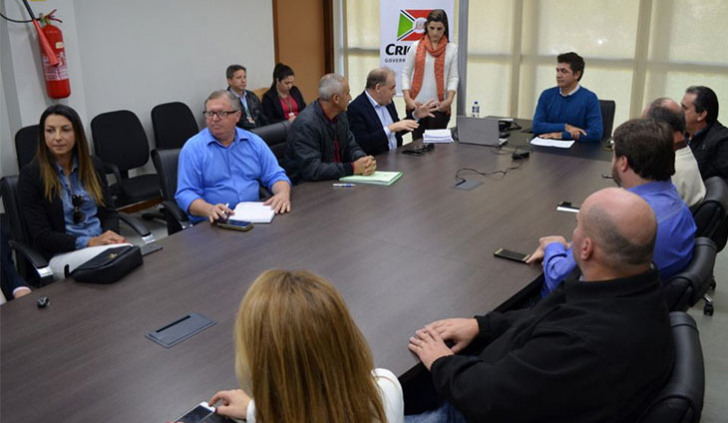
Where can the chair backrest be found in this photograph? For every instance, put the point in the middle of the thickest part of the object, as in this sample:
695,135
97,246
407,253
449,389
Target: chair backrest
275,136
173,125
26,144
119,138
681,399
608,108
260,91
166,162
711,214
687,287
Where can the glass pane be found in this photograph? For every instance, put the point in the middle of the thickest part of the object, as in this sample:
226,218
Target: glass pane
591,28
362,24
687,31
489,27
489,84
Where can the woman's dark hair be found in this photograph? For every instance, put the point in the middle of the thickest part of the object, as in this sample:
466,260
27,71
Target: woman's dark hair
87,173
281,72
438,15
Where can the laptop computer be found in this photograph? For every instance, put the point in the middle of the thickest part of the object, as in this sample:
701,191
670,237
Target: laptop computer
479,131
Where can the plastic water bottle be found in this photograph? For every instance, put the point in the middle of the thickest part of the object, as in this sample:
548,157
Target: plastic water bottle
476,109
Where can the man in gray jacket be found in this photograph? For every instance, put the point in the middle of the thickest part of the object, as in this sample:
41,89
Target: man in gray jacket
320,145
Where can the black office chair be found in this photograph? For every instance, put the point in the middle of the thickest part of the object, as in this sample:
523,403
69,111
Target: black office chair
710,215
26,144
608,108
120,141
32,265
173,125
687,287
275,136
681,399
166,162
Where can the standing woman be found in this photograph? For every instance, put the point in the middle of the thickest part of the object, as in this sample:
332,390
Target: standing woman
64,195
430,72
303,359
283,101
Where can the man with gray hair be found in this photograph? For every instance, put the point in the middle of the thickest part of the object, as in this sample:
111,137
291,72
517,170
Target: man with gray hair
373,118
224,165
596,350
687,178
320,145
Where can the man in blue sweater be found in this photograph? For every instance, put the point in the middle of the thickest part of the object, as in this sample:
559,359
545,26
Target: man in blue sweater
568,111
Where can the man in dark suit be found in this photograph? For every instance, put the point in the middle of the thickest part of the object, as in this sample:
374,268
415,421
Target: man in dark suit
373,118
251,111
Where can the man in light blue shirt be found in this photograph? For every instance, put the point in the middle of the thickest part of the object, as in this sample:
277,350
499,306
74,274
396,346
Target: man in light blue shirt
642,162
224,165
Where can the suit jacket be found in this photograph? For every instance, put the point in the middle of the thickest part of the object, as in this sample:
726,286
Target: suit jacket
367,128
272,104
256,112
44,218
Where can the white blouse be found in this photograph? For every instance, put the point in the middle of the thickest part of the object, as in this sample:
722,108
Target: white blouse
429,85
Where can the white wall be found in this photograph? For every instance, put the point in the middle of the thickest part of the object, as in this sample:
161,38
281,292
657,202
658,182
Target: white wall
133,55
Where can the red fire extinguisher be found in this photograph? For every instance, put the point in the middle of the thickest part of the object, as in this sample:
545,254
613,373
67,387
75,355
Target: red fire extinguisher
56,77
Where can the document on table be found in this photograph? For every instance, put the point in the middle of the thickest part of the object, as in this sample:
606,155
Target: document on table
437,136
253,212
379,177
543,142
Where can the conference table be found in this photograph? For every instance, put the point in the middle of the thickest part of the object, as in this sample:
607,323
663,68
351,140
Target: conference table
402,256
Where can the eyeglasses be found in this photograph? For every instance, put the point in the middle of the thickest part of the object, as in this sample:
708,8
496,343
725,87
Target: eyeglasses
78,215
222,114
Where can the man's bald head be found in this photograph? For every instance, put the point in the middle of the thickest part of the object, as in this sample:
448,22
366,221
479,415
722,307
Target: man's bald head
668,111
616,230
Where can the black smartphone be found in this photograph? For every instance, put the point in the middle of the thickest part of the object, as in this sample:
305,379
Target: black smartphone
511,255
567,206
236,225
412,152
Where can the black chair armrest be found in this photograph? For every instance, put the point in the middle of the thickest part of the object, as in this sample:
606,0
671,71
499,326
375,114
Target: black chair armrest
36,260
114,170
138,227
173,209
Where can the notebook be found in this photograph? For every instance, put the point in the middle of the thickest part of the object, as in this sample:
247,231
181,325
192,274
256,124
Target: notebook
253,212
379,177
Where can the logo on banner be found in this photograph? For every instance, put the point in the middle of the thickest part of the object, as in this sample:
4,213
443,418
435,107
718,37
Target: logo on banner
412,24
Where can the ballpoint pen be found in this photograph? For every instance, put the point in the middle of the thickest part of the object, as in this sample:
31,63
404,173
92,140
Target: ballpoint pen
344,185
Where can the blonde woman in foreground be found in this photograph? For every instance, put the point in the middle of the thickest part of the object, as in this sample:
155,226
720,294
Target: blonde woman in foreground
300,354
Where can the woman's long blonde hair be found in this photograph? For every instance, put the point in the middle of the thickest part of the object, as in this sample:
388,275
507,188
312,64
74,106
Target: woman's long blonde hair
86,171
300,354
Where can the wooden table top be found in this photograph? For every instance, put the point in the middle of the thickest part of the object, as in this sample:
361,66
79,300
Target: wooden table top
402,256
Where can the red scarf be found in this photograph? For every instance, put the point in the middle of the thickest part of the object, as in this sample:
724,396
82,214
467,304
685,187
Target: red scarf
439,54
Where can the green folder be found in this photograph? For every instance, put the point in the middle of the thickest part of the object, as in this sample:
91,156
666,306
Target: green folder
377,178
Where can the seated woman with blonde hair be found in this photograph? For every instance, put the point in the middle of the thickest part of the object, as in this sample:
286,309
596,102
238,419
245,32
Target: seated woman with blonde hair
300,354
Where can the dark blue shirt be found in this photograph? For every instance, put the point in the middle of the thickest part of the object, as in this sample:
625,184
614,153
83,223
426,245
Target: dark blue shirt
580,109
673,246
225,175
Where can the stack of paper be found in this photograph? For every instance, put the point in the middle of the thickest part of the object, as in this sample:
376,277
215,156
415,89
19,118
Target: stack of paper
543,142
254,212
437,136
379,177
